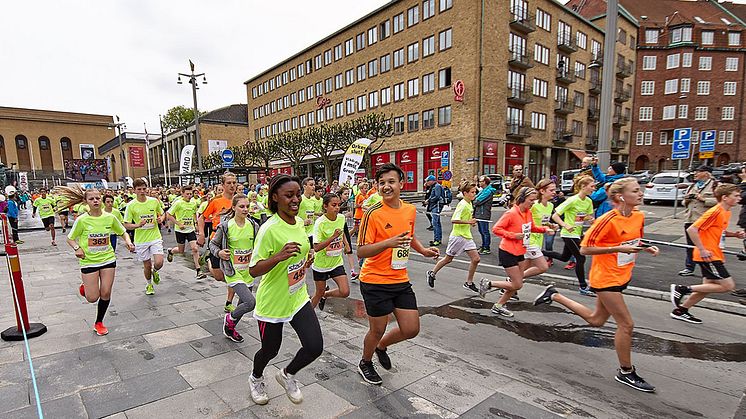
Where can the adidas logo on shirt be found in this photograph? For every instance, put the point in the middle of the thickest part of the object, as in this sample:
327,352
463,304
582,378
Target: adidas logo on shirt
388,226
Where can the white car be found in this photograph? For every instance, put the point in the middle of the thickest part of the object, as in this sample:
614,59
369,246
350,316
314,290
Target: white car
663,187
566,180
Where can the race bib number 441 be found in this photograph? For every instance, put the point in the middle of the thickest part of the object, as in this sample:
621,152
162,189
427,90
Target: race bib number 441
241,258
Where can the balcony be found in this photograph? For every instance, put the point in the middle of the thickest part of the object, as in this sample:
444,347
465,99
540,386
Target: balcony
620,120
564,107
623,70
566,76
593,114
521,20
622,95
618,144
597,60
562,136
517,130
519,95
519,59
591,142
566,44
595,87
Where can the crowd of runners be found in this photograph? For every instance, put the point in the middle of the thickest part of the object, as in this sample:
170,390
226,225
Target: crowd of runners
261,241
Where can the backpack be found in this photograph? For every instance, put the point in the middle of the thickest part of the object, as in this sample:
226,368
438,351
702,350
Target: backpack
447,196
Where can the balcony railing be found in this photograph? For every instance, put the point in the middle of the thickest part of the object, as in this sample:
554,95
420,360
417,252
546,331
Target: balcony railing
562,135
591,142
593,114
595,86
517,130
617,144
566,44
620,120
519,95
520,59
564,106
521,20
622,95
566,76
623,70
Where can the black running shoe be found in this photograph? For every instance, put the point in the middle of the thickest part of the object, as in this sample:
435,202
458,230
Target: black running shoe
546,296
677,294
368,371
431,279
169,256
322,303
682,314
383,359
513,297
633,380
471,287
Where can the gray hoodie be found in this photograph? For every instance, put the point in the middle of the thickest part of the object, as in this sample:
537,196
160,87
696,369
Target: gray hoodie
220,241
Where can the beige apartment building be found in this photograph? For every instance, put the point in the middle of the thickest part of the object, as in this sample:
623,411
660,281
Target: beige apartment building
467,90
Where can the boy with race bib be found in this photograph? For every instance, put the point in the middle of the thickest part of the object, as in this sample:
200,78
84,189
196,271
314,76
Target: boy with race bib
143,215
183,215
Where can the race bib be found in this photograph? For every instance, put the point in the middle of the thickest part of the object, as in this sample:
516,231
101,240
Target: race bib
722,241
580,218
526,230
46,208
335,247
296,276
545,220
627,258
309,215
98,242
399,257
188,221
149,221
241,258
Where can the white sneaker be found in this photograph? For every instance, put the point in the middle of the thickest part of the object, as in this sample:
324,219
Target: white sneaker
484,286
290,385
258,390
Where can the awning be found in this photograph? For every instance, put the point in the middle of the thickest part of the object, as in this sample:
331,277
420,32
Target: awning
580,154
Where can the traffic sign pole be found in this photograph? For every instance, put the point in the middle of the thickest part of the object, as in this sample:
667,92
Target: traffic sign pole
676,191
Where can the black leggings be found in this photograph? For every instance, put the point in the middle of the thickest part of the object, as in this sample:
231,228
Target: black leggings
306,325
572,248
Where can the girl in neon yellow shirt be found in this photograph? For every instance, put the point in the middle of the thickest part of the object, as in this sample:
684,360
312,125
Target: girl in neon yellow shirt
329,243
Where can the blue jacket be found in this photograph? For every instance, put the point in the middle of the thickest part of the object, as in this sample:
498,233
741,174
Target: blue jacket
436,195
12,209
600,195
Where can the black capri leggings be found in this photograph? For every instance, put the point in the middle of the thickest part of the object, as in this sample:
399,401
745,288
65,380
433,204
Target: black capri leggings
348,237
306,325
572,248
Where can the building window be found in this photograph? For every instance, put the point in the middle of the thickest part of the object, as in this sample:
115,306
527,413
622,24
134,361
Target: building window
399,58
686,59
428,46
721,137
413,52
413,16
705,63
385,63
361,70
311,118
734,39
338,81
672,86
683,111
579,100
428,83
540,88
729,88
349,47
686,85
700,113
731,64
428,11
444,115
339,110
360,41
579,70
445,39
444,78
316,65
708,37
728,113
301,70
445,5
385,28
398,92
646,113
413,87
327,57
399,125
350,106
577,128
372,35
350,77
385,96
372,68
663,138
639,138
373,99
413,122
541,54
651,36
703,88
648,138
581,40
338,52
543,20
328,85
362,103
669,112
681,34
428,119
398,23
539,121
302,122
672,61
309,67
729,137
647,87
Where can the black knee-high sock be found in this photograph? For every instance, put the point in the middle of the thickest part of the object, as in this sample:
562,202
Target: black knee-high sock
103,305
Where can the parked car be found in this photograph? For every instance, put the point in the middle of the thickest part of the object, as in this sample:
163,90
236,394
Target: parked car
667,186
642,176
727,173
502,195
566,178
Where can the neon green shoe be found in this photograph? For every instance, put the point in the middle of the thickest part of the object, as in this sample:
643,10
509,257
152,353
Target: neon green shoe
149,289
156,278
229,308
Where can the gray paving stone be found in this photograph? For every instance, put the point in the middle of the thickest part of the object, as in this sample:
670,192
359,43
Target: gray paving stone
119,415
202,402
13,397
209,370
137,391
350,386
242,414
191,305
405,370
64,408
349,350
503,406
323,368
137,328
76,377
154,312
318,403
183,319
12,354
401,404
235,390
45,347
216,345
146,360
176,335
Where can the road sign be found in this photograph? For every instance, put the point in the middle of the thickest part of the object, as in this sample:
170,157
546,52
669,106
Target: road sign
447,175
707,141
706,155
682,141
227,156
445,159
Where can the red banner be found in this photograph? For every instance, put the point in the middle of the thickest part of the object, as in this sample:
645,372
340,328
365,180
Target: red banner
513,156
137,156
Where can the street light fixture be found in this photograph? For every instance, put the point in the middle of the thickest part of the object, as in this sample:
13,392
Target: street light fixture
119,125
193,81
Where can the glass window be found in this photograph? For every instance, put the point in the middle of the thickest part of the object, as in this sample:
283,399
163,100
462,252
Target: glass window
703,88
372,68
361,72
445,5
669,112
541,54
338,52
728,113
349,47
362,103
543,20
705,63
708,37
413,87
413,16
373,99
428,83
681,34
317,62
338,81
385,63
686,59
673,61
663,138
444,115
729,88
327,57
398,125
350,77
651,36
339,110
646,113
734,38
413,122
540,88
385,96
539,121
413,52
685,85
398,92
581,40
399,58
428,10
647,87
350,106
672,86
444,78
428,119
683,111
399,23
360,41
372,35
385,29
428,45
445,39
731,64
700,113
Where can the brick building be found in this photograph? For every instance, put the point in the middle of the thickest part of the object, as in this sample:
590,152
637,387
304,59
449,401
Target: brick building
690,73
530,73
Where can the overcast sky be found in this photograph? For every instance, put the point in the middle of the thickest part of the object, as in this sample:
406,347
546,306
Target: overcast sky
121,57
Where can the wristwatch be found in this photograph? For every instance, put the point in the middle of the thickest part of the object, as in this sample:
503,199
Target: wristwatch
76,247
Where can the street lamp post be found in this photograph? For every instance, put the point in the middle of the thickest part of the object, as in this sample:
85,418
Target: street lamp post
193,81
607,84
119,125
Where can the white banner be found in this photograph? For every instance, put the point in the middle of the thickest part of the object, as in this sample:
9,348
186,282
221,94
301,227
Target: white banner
352,159
23,181
216,146
186,159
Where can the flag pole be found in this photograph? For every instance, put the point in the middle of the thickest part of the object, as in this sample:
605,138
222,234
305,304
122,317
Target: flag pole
147,154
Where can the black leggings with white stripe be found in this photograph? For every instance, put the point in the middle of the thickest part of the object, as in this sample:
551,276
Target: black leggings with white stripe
572,248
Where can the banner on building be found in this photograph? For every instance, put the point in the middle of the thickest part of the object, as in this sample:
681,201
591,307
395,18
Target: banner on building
352,159
186,159
216,146
23,181
137,156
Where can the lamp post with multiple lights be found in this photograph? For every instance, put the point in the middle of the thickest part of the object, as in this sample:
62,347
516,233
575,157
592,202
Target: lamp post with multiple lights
118,126
193,81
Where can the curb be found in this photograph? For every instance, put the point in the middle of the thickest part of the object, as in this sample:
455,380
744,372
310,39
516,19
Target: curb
572,283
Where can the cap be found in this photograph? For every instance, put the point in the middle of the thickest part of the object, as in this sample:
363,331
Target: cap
430,178
703,168
619,167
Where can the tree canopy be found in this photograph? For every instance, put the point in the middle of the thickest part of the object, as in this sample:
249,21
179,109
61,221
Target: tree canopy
178,117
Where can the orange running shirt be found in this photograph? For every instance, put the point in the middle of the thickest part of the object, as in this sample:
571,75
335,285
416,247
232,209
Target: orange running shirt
712,225
379,223
359,199
515,221
213,210
613,229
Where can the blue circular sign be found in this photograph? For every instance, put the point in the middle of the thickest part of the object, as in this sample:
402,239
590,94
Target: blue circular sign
227,156
447,175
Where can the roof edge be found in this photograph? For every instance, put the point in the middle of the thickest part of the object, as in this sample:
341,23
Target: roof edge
725,9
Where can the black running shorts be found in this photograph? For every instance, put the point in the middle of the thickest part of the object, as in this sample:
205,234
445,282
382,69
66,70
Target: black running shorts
507,259
325,276
382,299
92,269
182,238
48,222
714,270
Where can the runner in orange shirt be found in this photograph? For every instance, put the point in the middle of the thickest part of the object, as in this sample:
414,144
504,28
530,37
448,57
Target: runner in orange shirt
361,196
213,212
708,234
385,237
613,241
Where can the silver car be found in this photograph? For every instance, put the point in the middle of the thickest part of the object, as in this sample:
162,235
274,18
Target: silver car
663,187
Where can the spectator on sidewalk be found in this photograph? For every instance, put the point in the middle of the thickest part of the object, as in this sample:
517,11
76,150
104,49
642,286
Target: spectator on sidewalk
13,206
698,198
428,191
742,223
615,171
434,206
483,213
519,181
